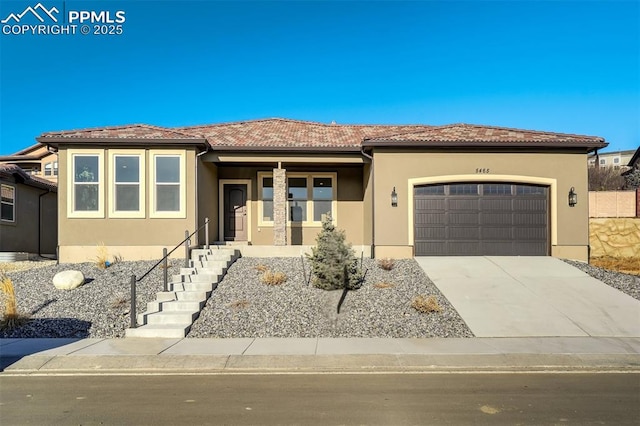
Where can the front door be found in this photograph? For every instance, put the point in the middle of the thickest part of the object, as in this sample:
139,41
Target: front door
235,212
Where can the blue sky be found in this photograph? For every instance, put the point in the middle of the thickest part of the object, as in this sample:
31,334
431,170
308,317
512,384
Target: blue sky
565,66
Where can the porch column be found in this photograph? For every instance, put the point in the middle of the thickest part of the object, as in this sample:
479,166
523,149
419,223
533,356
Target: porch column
279,207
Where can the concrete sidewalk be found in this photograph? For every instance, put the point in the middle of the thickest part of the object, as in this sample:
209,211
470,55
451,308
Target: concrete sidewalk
273,355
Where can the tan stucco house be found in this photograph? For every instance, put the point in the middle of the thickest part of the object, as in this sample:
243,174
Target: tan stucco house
36,160
397,190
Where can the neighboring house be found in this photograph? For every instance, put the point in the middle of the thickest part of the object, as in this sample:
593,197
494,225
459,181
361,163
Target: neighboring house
615,159
634,161
29,212
36,160
397,191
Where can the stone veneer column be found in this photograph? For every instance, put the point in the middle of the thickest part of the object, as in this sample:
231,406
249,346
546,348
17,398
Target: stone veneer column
279,207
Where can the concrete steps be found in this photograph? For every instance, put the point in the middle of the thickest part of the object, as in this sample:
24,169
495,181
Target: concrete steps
173,312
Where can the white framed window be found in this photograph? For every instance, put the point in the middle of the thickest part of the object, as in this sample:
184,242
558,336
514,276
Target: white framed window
127,183
310,196
168,177
266,197
603,161
85,194
616,160
8,203
51,169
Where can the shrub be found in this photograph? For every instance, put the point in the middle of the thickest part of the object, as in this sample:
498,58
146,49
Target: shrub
11,318
238,304
102,258
261,268
386,263
331,258
425,304
273,278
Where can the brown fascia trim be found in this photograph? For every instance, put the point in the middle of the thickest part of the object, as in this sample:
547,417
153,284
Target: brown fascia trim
20,158
634,158
283,149
590,145
119,142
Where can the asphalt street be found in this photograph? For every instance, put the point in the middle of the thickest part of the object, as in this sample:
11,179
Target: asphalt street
323,399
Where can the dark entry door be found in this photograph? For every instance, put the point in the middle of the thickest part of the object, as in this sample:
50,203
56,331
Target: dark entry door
235,212
478,219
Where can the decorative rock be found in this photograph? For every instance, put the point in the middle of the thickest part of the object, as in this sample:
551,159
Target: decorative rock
68,280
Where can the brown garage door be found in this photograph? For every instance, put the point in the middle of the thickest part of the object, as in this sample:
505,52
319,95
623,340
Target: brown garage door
477,219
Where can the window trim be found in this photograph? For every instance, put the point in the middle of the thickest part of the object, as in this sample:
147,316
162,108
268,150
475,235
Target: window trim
71,202
310,201
13,204
130,214
182,211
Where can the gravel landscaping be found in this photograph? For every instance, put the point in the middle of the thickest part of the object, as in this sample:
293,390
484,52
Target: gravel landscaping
243,306
99,308
628,284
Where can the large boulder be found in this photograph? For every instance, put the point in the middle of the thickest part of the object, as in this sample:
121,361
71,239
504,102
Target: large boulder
68,280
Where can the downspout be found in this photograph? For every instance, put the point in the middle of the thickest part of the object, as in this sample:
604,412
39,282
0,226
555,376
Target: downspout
373,204
40,221
196,194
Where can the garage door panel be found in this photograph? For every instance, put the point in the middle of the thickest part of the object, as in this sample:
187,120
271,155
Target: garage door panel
529,205
463,248
464,233
481,219
496,233
496,218
431,233
495,204
437,218
496,248
529,219
463,218
530,233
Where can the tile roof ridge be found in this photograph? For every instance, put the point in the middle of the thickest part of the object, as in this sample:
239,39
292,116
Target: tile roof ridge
167,129
86,129
231,123
293,120
29,148
515,129
12,169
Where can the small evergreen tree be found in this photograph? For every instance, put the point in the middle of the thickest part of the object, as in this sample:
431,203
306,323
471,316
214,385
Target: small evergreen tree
331,257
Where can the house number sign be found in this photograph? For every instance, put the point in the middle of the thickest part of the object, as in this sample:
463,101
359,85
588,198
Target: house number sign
482,170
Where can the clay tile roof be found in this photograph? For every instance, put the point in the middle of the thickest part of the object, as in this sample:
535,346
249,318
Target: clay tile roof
8,170
469,134
132,131
285,133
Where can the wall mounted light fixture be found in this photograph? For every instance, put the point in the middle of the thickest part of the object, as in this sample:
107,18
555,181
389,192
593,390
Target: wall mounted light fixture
573,197
394,198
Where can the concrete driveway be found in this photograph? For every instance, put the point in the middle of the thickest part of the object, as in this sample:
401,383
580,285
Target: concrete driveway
531,296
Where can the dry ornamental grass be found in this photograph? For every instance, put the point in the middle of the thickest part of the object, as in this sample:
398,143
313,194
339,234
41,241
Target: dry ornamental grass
425,304
626,265
386,264
273,278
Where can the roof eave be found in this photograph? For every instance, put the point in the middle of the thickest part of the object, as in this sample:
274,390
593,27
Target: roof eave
57,141
589,145
257,149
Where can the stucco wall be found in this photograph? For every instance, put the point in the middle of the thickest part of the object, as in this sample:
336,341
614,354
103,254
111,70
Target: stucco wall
401,169
23,234
619,237
140,238
350,207
612,203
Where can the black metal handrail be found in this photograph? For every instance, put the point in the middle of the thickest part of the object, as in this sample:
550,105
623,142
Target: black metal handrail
186,242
